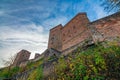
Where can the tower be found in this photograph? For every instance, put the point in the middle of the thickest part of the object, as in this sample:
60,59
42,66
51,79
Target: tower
55,38
22,56
75,31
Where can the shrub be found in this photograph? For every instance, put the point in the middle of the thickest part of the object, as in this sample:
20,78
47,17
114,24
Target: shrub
95,63
36,74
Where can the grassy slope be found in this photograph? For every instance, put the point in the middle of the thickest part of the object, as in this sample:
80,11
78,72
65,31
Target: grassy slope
95,63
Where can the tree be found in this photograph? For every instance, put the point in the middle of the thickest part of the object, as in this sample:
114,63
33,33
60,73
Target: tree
9,62
111,5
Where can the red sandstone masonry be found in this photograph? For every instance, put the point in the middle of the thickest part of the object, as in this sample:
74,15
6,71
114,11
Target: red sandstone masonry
55,39
74,31
79,29
107,28
71,34
22,56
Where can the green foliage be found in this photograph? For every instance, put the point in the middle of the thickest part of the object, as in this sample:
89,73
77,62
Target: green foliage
60,67
4,73
36,74
52,57
14,70
9,72
96,63
30,65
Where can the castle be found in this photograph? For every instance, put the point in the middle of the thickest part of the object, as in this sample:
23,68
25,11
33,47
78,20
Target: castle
80,29
22,58
64,39
74,32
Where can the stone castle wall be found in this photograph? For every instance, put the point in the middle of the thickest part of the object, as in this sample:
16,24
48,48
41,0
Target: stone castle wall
80,29
75,31
107,28
63,40
55,38
21,56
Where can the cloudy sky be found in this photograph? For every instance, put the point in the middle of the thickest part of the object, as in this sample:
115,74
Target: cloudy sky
25,24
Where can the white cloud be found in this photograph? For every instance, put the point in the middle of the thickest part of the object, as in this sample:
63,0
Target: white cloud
15,35
14,38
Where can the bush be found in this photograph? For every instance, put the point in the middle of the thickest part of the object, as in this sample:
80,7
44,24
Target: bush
36,74
6,72
95,63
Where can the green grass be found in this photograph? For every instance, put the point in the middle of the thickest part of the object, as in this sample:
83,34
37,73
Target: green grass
95,63
36,74
6,72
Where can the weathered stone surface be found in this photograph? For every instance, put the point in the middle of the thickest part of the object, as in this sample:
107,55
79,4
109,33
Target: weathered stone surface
51,52
36,55
23,76
48,69
22,56
79,29
107,28
55,38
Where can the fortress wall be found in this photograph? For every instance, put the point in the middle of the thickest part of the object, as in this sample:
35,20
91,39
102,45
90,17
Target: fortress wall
75,31
22,56
74,34
85,35
55,39
80,29
107,28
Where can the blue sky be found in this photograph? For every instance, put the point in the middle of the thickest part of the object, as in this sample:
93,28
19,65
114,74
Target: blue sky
25,24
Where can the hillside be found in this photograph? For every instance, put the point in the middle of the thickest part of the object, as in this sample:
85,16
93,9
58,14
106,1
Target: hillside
95,62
